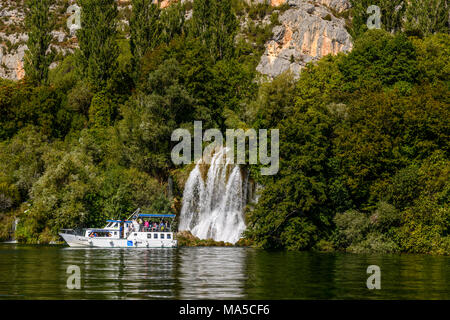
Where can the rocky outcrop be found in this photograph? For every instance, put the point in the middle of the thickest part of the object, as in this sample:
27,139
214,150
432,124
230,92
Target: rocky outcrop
12,51
336,5
308,31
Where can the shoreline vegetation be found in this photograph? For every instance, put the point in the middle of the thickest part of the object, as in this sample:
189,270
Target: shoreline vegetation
364,135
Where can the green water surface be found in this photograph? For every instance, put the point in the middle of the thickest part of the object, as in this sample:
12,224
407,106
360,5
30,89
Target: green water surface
40,272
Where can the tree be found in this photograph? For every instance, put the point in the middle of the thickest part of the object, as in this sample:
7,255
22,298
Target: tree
144,29
149,119
224,29
214,22
294,207
392,12
39,24
150,27
97,40
172,22
101,111
379,57
66,195
427,16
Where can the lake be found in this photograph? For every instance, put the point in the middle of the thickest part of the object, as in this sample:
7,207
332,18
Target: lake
40,272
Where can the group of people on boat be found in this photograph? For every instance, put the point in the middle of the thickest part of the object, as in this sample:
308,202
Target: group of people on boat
151,226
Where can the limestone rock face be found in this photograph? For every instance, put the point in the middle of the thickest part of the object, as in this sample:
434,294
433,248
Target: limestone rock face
308,31
337,5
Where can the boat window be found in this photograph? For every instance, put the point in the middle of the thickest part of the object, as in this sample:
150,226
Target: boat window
149,235
162,235
115,233
135,234
100,234
168,236
155,236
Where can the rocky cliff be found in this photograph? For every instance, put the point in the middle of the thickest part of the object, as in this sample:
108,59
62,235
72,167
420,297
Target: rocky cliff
308,30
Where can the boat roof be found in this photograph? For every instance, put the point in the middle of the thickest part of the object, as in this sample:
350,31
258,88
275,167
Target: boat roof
117,221
150,215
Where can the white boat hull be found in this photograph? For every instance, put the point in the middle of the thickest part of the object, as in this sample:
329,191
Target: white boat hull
81,241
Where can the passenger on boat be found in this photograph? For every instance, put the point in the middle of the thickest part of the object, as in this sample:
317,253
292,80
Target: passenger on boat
146,225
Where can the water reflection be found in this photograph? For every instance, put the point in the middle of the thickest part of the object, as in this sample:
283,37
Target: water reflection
127,274
212,273
36,272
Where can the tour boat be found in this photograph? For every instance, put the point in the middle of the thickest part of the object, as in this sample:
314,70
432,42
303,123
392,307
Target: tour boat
124,234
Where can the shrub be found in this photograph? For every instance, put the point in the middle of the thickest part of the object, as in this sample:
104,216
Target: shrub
299,234
351,227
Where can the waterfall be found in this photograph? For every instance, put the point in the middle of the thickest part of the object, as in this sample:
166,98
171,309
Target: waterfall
215,208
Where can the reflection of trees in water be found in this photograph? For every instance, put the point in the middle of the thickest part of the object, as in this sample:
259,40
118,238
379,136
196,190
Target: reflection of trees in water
289,275
153,273
30,272
128,273
212,273
309,275
40,273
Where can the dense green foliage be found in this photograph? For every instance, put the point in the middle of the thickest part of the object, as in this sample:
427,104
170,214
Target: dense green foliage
364,136
364,151
419,17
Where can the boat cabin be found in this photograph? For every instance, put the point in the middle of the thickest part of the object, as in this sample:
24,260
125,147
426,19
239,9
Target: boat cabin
142,226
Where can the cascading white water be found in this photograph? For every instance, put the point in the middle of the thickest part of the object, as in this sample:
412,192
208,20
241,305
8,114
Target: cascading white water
215,208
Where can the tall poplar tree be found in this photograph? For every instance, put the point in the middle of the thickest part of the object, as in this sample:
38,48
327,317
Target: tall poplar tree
216,25
39,25
172,19
97,40
145,29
